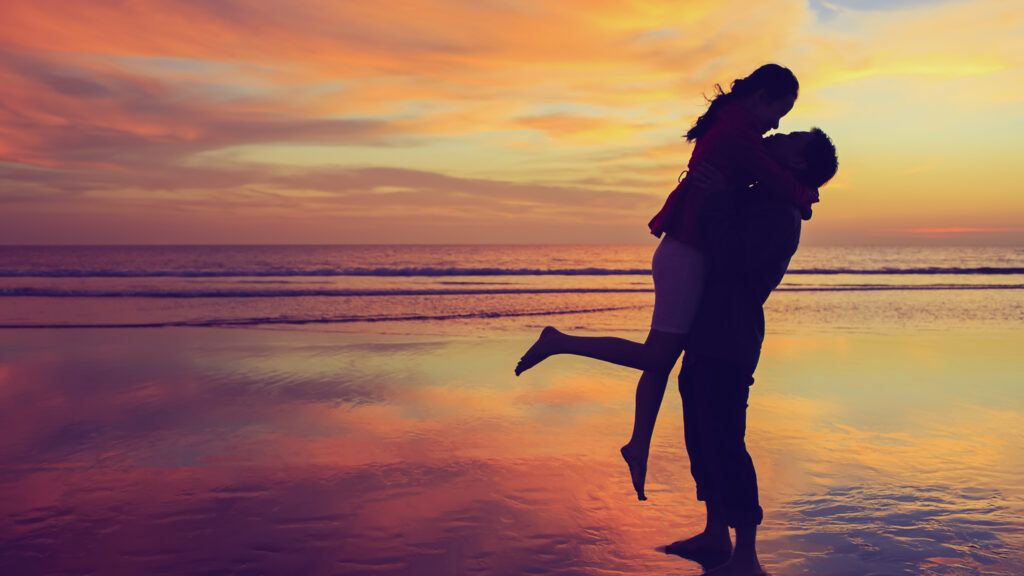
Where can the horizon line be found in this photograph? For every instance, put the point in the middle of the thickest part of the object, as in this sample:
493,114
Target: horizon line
226,245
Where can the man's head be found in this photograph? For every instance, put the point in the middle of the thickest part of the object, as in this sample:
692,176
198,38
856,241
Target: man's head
810,155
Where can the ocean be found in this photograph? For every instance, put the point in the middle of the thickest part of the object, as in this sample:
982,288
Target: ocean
98,286
353,410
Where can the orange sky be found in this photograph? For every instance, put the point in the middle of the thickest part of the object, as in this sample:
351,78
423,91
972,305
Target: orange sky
491,121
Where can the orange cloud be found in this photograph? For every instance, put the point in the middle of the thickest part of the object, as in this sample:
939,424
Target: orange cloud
200,107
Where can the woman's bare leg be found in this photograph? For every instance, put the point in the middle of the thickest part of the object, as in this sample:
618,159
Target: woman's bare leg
659,348
656,357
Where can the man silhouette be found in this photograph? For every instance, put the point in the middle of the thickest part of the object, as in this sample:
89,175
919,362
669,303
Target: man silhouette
751,237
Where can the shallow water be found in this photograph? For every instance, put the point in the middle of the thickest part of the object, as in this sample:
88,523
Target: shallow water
236,451
887,428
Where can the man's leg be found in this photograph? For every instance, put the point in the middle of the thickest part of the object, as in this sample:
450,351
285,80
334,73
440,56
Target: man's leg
732,468
713,542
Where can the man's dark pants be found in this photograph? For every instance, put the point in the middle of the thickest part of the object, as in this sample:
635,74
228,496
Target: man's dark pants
714,394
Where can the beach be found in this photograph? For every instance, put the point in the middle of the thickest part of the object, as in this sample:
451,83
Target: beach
370,422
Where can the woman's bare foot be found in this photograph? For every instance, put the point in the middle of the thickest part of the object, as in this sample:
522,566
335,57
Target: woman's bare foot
540,350
637,462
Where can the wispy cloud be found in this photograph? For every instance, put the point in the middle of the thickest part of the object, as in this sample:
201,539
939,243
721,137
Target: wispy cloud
467,109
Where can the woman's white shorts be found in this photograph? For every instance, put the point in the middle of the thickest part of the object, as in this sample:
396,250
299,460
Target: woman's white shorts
678,271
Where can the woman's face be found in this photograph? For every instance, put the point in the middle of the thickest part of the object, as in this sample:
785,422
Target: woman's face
770,110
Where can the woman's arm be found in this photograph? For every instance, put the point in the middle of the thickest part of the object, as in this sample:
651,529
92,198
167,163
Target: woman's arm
747,153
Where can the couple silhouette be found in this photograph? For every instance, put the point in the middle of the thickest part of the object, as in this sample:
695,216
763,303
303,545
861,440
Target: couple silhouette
728,232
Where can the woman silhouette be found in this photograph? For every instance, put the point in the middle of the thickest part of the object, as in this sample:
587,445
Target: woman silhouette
728,140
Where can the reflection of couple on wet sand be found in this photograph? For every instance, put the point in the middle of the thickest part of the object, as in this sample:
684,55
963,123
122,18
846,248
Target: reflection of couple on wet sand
727,232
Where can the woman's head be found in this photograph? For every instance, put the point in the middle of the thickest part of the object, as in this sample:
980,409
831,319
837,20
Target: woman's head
768,92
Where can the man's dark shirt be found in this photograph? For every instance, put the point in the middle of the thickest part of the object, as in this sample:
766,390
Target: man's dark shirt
750,239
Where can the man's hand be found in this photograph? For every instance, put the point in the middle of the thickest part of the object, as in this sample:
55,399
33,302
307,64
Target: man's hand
805,211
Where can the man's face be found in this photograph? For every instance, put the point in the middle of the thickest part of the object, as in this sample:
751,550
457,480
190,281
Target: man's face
788,149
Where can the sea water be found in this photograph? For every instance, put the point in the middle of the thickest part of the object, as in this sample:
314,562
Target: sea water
352,410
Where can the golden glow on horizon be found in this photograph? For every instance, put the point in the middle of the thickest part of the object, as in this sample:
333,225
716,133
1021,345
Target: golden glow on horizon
499,122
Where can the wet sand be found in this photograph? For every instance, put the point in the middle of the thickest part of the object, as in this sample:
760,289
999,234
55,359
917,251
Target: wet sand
416,451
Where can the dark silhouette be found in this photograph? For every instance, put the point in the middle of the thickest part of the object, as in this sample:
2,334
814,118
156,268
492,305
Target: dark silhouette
729,229
750,247
708,558
728,142
752,237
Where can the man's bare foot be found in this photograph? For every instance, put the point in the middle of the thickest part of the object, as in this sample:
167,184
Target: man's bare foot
739,565
540,350
707,548
637,462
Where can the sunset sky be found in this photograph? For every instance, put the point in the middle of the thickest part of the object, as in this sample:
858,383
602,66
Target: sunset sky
444,121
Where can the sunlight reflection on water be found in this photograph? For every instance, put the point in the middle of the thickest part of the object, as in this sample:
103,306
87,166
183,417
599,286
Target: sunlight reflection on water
286,452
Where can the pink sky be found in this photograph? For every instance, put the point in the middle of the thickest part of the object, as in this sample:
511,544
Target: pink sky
496,121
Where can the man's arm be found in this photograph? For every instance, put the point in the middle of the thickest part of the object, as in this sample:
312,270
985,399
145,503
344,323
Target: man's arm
770,234
742,236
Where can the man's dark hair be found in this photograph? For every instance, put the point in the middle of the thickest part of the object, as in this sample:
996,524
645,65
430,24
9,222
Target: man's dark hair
820,156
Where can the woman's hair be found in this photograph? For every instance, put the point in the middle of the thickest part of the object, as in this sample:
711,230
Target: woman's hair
776,81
